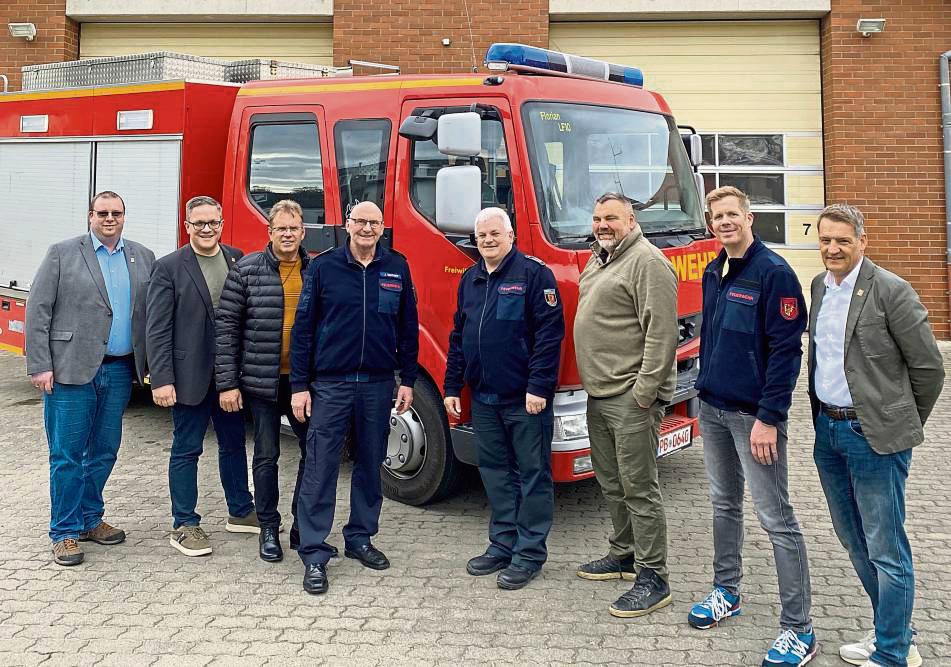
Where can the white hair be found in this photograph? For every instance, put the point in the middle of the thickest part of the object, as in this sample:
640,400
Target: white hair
492,213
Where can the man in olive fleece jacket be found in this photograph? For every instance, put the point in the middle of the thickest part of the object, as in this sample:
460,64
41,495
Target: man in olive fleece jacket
626,335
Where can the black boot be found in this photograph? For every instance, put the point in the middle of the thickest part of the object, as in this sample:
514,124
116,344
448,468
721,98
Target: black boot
270,546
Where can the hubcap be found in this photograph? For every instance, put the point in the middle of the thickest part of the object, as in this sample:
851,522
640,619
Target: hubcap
406,447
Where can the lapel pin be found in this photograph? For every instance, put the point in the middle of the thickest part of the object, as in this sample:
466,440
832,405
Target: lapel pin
131,259
861,292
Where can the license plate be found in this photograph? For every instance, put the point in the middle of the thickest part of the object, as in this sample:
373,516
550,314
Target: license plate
674,441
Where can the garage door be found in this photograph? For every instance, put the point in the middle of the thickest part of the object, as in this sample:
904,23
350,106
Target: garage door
298,42
753,90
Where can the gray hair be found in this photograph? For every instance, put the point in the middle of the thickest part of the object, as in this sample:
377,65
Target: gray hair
492,213
200,200
846,213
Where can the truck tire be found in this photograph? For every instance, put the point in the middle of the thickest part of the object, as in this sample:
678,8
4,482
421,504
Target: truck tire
420,466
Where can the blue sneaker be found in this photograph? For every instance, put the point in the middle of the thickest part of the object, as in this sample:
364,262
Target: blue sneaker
792,648
715,607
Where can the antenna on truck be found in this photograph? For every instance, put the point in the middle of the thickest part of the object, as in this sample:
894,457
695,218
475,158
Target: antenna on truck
393,69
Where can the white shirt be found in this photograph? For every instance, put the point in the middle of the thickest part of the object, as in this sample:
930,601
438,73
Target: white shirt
831,385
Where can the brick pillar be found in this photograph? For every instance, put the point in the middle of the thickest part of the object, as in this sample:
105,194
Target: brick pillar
882,132
57,37
409,34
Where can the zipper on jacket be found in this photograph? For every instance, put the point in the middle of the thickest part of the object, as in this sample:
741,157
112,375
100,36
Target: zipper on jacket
363,339
485,302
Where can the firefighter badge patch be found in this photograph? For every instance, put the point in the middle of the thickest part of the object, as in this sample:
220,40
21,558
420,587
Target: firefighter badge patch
551,297
789,308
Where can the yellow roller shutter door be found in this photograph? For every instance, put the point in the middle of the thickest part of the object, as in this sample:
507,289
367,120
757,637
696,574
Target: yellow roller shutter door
297,42
729,78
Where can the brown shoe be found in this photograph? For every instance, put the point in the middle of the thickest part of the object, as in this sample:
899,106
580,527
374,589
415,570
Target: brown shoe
67,552
103,534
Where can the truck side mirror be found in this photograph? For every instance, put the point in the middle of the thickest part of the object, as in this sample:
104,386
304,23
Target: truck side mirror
458,198
696,150
460,134
418,128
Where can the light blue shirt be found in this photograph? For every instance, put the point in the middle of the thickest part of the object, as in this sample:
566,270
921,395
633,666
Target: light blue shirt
116,274
831,385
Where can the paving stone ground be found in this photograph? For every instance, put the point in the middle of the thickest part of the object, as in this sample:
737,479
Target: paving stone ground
142,603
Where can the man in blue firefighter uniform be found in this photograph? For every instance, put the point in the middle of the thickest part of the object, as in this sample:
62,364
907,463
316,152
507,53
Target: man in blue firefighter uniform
356,324
505,346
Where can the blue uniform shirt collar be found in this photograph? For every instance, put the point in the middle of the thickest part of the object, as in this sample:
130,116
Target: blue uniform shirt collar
378,253
502,267
96,243
737,262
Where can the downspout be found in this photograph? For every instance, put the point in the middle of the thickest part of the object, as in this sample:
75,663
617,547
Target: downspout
946,129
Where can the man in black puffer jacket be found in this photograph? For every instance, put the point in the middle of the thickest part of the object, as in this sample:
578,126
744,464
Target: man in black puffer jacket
252,363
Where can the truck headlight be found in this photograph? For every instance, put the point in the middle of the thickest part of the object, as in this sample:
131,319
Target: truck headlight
571,427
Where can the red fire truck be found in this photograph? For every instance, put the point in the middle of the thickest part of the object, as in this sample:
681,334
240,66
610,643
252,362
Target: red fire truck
541,136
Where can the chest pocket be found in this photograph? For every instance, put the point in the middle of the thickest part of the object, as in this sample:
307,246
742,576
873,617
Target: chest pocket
511,304
389,298
739,313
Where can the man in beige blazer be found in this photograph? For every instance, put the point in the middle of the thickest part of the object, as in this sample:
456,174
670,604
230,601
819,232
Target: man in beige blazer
875,373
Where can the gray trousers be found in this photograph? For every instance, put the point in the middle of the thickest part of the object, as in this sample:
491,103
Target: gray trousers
729,461
623,439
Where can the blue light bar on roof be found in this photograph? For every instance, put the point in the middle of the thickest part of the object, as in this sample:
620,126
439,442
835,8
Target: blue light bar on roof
520,56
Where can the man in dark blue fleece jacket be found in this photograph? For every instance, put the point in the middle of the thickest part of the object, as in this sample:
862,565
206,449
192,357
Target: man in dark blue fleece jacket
506,344
750,351
356,325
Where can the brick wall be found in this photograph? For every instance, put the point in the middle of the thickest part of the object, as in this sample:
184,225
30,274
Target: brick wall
57,37
882,128
408,34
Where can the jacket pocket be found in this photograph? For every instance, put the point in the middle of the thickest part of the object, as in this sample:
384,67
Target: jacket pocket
739,314
389,296
874,338
511,302
179,354
60,335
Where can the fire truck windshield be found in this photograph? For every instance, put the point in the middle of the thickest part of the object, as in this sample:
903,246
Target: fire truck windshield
579,152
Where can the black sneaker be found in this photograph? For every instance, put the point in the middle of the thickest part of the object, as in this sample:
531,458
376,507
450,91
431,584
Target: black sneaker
609,567
514,577
649,592
486,564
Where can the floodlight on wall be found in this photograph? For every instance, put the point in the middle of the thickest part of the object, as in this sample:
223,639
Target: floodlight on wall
26,31
869,26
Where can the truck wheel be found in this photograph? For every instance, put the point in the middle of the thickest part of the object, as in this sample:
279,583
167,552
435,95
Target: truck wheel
420,466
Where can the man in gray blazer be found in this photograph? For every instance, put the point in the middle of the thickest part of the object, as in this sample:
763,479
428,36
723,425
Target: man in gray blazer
85,337
875,373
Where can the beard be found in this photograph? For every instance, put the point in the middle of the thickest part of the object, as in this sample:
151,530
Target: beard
608,245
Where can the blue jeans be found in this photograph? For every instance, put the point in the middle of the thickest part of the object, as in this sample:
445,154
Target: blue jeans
191,423
865,491
730,464
515,465
84,429
337,405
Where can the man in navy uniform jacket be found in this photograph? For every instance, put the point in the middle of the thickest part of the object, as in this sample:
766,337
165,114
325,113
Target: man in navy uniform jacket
505,346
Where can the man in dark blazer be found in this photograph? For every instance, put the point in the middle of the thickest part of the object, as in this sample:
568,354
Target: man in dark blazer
85,337
183,298
875,373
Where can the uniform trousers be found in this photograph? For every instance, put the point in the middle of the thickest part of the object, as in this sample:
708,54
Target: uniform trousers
337,404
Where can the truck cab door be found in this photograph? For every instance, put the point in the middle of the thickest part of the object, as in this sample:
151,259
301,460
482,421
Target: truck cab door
420,161
282,153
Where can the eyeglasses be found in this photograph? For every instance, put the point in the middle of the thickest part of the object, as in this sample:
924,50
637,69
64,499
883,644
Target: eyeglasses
360,222
102,215
287,230
201,224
